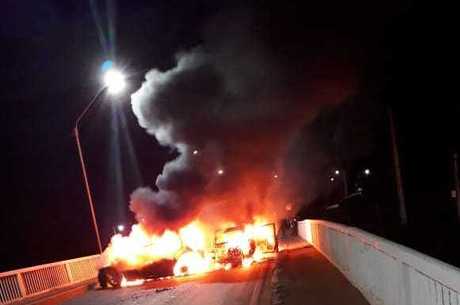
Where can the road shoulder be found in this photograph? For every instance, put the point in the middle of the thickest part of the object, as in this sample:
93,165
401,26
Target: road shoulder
303,276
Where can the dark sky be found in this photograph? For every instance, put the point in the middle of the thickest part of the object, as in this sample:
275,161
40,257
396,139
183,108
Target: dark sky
51,52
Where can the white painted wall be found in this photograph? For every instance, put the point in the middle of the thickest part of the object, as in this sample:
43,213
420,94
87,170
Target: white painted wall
385,272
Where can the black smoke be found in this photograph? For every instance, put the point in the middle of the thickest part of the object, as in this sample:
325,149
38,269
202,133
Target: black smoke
231,103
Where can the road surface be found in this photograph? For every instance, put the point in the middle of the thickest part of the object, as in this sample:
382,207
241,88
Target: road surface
234,287
306,277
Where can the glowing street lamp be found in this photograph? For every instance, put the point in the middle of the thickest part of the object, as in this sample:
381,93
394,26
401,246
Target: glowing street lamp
367,172
220,171
114,82
120,228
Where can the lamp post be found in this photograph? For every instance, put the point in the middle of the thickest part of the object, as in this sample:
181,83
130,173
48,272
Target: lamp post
114,82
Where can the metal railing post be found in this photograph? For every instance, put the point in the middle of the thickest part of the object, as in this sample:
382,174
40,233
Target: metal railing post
22,286
69,272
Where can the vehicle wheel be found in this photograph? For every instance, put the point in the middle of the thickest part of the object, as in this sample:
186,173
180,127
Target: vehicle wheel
109,276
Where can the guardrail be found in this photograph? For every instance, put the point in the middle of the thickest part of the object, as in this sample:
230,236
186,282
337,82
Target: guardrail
27,282
386,273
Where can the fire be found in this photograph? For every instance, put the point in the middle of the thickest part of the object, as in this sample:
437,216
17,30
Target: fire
167,245
193,236
248,239
191,263
139,248
193,247
247,262
126,283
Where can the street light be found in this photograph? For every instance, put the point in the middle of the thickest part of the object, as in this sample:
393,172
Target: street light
114,82
367,172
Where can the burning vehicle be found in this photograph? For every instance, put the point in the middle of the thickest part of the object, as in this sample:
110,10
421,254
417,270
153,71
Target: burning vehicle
241,246
130,260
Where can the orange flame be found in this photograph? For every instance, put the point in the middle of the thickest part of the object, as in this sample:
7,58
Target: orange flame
191,246
191,263
140,248
126,283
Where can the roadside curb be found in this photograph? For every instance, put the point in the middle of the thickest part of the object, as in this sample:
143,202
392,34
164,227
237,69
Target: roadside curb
278,284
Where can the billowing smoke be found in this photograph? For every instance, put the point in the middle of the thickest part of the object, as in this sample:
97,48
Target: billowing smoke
231,108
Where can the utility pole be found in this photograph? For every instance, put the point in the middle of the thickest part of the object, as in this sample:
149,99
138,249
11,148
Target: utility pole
457,185
397,168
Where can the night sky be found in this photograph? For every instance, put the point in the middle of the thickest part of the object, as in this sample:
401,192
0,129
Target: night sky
51,56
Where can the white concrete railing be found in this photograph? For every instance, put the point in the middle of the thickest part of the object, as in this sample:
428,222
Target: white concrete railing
386,273
19,284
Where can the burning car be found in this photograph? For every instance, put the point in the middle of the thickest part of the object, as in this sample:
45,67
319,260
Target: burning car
116,278
242,245
140,256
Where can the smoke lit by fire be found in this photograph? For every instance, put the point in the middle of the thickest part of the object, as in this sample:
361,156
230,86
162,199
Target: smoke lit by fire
230,109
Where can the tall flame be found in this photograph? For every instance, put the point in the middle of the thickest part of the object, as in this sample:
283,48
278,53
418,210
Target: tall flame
191,246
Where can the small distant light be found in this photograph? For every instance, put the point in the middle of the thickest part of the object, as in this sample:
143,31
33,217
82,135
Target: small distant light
332,179
220,171
337,172
360,189
275,176
195,152
120,228
367,172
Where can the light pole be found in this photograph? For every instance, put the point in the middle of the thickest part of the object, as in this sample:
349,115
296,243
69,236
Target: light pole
397,169
114,82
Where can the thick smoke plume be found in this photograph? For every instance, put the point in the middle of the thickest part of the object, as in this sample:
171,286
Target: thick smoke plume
229,104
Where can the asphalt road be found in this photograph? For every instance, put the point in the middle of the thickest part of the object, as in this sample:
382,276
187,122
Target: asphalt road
234,287
307,277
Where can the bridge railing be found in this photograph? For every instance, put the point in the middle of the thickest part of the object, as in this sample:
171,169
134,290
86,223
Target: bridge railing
27,282
385,272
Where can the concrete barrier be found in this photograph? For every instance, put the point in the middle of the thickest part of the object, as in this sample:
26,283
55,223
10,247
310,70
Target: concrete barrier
23,283
386,273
